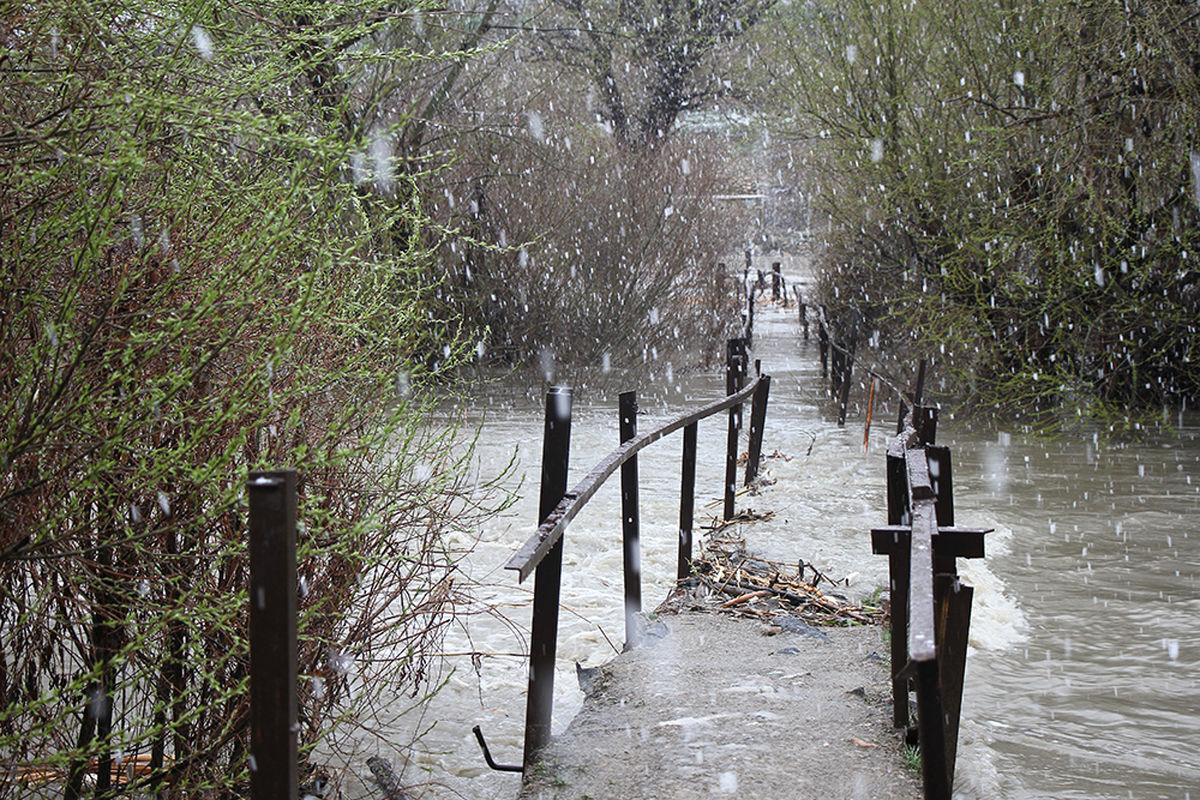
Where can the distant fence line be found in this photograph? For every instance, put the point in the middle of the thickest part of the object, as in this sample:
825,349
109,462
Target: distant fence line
542,552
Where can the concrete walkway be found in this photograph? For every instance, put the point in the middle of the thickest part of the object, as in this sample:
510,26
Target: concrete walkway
714,706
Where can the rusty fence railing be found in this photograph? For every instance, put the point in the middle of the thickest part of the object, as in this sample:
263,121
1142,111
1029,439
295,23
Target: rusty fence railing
542,553
930,606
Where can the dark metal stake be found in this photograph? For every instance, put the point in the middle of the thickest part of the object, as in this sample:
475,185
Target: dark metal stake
925,422
734,364
803,308
954,625
823,344
943,485
897,491
543,637
630,546
919,391
273,590
932,726
847,370
898,514
898,571
758,418
687,501
749,332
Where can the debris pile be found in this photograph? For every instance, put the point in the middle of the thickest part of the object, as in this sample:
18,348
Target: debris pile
725,578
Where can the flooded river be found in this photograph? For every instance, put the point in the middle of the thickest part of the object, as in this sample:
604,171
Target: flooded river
1082,678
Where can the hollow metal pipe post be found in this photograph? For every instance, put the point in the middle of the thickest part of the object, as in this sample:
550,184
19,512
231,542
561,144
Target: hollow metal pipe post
687,501
273,711
758,418
543,637
630,546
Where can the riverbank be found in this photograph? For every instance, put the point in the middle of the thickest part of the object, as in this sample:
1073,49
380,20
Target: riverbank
711,705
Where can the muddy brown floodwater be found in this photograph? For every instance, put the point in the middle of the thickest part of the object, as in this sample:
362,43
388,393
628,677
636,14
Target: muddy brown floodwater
1085,651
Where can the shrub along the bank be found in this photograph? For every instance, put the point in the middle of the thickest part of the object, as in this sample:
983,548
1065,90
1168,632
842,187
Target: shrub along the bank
1013,190
211,263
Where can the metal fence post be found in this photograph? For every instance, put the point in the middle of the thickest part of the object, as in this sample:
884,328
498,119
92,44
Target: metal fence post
273,713
630,548
823,344
687,501
898,513
734,369
758,418
847,370
748,334
543,637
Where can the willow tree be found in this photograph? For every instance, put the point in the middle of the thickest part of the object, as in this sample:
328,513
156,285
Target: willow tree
212,262
1014,187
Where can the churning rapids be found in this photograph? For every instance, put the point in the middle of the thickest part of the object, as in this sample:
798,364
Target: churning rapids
1082,677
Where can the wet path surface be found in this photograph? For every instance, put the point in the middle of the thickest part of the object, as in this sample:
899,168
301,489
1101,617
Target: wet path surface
712,707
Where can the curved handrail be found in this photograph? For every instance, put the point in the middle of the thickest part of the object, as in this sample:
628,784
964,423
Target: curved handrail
531,553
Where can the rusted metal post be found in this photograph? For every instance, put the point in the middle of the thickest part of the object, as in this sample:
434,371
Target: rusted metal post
630,546
687,501
543,637
273,711
734,368
758,418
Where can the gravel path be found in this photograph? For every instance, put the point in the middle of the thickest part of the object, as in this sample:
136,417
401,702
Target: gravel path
713,706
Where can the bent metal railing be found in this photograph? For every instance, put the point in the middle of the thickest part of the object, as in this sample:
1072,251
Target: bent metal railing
542,552
930,607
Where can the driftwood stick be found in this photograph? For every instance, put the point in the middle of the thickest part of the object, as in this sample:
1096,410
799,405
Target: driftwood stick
743,598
